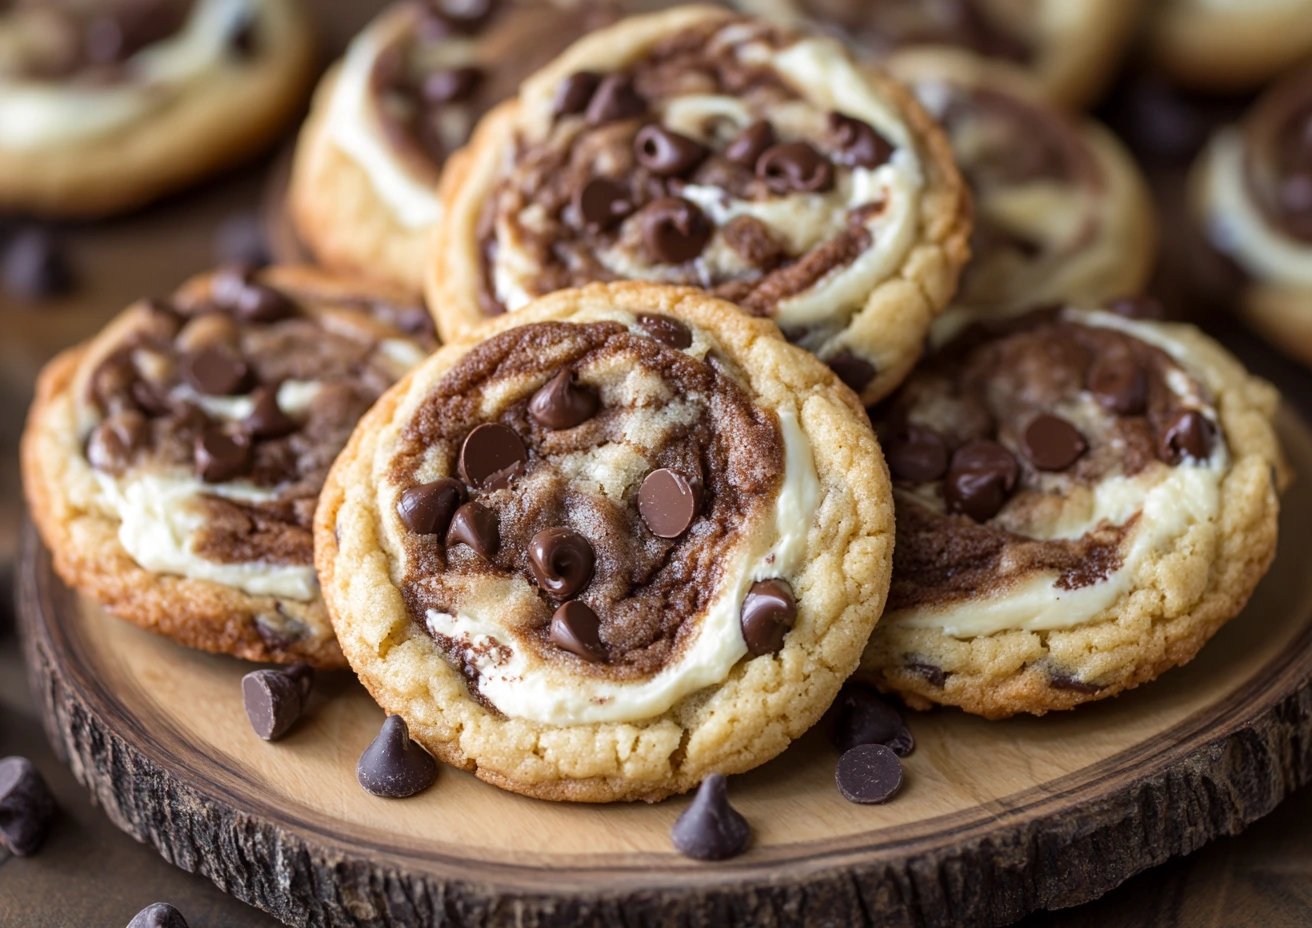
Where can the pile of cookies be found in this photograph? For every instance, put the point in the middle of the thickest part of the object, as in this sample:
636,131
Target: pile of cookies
630,528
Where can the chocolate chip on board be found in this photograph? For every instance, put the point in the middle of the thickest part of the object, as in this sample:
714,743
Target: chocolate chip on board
862,717
868,774
27,809
476,526
665,329
577,629
427,509
562,561
273,700
1052,443
394,766
669,502
562,404
491,456
710,828
158,915
769,612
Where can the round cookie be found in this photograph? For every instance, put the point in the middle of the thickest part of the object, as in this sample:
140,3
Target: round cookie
107,105
1228,45
629,538
700,147
408,92
1252,191
172,464
1082,500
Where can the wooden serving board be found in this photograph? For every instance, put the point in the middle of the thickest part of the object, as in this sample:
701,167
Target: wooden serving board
996,819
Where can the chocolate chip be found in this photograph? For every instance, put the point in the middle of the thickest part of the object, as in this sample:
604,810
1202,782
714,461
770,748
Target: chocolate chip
795,167
274,699
675,230
769,611
1119,385
614,99
27,808
859,145
665,329
601,204
158,915
981,475
931,673
35,267
451,85
1061,681
478,527
669,502
1188,434
562,561
563,404
115,440
427,509
258,303
1052,443
492,455
710,828
864,718
575,91
214,370
667,153
576,628
916,455
221,457
869,773
240,239
393,766
853,370
1137,307
266,419
750,144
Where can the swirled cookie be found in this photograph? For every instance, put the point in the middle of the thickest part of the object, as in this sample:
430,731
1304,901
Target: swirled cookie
629,538
704,148
1252,191
1082,501
1228,45
172,464
108,104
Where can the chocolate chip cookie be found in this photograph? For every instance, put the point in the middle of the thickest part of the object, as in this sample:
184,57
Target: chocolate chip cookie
172,464
1221,46
629,538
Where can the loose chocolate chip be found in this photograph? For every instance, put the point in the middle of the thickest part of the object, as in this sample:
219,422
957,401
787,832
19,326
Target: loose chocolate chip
1052,443
1137,307
158,915
492,455
274,699
27,808
750,144
1188,434
601,204
240,239
221,457
451,85
258,303
563,404
267,420
916,455
675,230
665,329
667,153
769,611
853,370
393,766
1119,385
427,509
981,475
35,267
478,527
710,828
576,628
214,370
615,99
864,718
869,773
669,502
795,167
575,91
562,561
859,145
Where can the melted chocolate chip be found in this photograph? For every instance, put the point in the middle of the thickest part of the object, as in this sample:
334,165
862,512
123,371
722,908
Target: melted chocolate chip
491,456
710,828
868,774
1187,435
274,699
576,628
864,718
562,561
859,145
158,915
451,85
35,266
601,204
853,370
113,442
665,329
221,457
675,230
750,144
478,527
393,766
1137,307
214,370
667,153
1052,443
615,99
1119,384
427,509
27,808
669,502
267,420
575,91
563,404
981,475
916,455
795,167
769,612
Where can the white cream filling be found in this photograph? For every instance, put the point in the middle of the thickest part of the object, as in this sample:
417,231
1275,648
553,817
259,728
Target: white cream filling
521,686
294,399
36,115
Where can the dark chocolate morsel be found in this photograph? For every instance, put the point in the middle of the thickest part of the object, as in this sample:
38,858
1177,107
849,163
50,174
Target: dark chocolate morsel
491,456
769,611
1052,443
1061,681
27,807
214,370
667,153
478,527
675,230
113,442
853,370
303,674
795,167
158,915
240,238
710,828
221,457
562,561
615,98
601,204
916,455
864,718
1187,435
859,144
981,476
932,674
35,266
563,404
665,329
1119,385
273,702
669,502
575,91
1137,307
258,303
267,420
393,766
869,773
576,628
750,144
451,85
427,509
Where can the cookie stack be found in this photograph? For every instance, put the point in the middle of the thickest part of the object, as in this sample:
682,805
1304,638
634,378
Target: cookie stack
631,528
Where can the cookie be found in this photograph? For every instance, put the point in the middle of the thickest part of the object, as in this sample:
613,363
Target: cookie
363,193
1083,499
700,147
1252,192
172,464
1062,213
1228,47
629,538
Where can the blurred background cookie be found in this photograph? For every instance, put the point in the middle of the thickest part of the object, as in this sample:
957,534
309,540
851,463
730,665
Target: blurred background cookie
1228,45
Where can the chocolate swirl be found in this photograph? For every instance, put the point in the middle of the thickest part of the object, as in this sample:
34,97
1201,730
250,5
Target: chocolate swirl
885,26
1278,155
